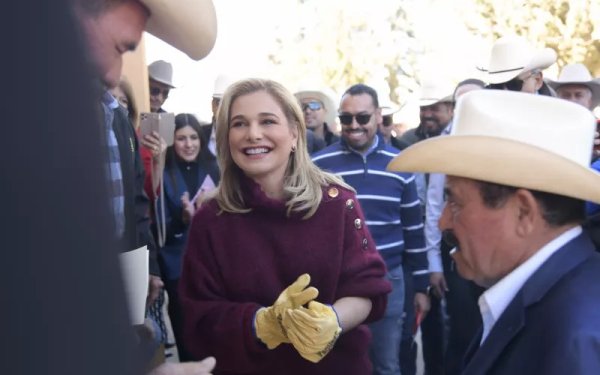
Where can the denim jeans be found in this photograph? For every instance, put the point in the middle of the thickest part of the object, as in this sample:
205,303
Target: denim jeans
385,344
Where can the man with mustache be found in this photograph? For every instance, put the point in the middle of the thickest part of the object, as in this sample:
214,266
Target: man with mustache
392,210
514,214
444,348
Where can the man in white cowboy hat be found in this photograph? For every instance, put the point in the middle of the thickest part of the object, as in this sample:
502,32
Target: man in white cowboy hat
111,28
386,127
575,83
160,80
436,104
436,112
516,66
222,82
515,201
319,113
449,340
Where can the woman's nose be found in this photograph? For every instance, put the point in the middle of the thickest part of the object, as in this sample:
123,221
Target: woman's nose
254,132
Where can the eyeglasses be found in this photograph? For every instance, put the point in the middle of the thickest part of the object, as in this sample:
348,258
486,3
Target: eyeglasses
313,106
361,119
387,121
515,84
154,91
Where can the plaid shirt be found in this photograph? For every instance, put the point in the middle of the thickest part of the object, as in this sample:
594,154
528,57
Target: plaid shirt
109,103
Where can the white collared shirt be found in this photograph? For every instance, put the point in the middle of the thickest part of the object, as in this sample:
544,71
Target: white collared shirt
434,205
496,299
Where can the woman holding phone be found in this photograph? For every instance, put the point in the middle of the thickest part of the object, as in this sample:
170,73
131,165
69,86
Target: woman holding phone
187,175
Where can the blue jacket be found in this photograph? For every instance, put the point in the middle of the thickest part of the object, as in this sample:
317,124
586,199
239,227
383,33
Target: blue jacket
552,326
171,254
389,201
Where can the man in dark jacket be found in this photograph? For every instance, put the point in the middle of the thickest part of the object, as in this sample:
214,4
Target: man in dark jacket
110,29
517,230
435,113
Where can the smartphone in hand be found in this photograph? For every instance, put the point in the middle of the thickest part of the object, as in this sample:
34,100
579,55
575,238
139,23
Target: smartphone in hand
163,123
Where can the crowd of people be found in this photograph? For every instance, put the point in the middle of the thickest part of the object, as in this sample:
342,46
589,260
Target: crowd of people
298,233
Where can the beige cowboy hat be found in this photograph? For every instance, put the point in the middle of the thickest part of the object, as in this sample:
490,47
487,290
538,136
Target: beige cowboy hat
516,139
188,25
578,74
512,55
432,92
325,97
161,71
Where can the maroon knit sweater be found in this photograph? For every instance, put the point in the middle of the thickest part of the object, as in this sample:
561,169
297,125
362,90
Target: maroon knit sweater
236,263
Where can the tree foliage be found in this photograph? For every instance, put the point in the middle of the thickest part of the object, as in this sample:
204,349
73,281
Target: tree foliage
337,45
570,27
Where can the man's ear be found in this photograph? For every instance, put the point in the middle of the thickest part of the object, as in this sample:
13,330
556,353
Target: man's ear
527,210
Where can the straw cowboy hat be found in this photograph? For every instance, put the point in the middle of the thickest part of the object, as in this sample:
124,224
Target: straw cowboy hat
432,93
161,71
578,74
188,25
516,139
325,97
512,55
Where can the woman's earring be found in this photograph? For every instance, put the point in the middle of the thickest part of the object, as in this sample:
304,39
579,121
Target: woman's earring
293,149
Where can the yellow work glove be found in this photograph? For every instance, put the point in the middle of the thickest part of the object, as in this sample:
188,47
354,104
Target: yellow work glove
312,331
268,320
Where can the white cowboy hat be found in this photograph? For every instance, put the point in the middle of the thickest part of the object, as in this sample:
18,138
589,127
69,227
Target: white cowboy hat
433,92
389,109
221,84
161,71
325,97
188,25
578,74
512,55
516,139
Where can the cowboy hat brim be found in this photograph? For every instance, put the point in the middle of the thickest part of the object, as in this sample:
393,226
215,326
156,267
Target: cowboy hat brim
500,161
425,102
541,60
188,25
164,82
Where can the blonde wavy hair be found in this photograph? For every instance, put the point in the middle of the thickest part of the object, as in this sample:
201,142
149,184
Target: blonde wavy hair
303,180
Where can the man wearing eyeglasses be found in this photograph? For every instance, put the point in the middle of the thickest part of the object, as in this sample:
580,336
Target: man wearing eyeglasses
319,115
160,77
392,210
516,66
